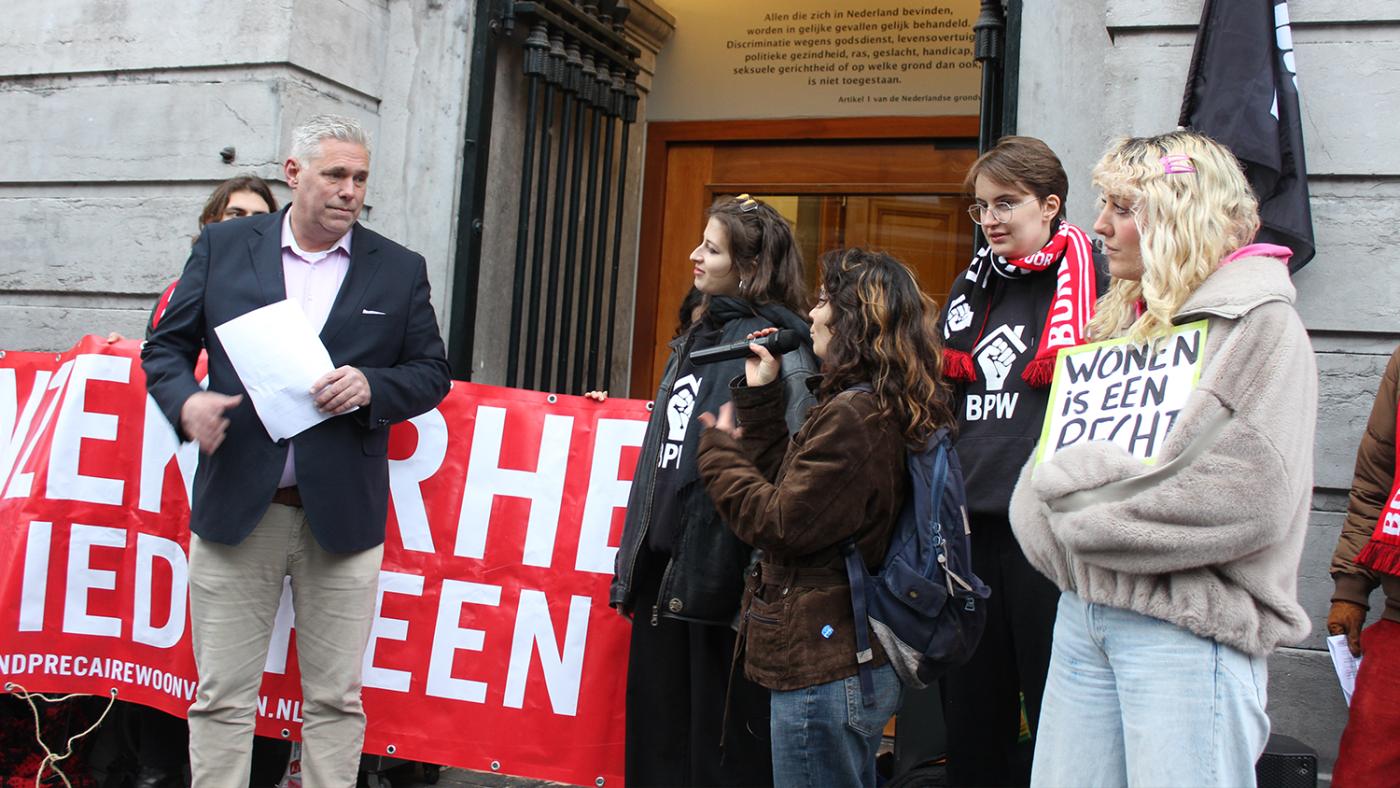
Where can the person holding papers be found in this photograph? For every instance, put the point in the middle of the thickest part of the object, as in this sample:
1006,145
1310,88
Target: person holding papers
1367,555
1179,574
312,506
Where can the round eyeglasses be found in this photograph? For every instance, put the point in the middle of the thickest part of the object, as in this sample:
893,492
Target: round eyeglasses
1001,212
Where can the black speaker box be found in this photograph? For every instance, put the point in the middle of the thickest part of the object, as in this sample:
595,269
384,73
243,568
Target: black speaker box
1286,763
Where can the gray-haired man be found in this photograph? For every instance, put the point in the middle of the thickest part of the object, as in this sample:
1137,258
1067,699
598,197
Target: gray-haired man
312,507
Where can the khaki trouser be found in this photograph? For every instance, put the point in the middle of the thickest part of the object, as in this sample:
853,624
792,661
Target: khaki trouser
234,593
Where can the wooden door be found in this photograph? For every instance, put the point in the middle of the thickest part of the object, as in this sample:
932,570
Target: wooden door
887,184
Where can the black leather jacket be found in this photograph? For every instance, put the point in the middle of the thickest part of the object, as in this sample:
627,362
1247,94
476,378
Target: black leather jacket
704,578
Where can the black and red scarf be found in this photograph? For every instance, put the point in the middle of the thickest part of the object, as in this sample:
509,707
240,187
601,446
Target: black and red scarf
1075,294
1382,553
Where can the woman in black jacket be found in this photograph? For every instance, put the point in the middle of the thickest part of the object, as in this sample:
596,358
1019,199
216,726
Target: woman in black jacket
680,571
1028,293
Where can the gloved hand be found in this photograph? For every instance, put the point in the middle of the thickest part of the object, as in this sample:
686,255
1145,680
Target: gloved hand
1347,618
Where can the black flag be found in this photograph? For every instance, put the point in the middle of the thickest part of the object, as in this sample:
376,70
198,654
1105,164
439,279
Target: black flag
1242,90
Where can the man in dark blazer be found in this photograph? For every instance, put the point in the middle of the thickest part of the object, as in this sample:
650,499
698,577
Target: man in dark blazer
311,507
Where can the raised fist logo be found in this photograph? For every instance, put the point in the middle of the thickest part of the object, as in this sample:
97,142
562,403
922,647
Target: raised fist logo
959,315
997,353
678,410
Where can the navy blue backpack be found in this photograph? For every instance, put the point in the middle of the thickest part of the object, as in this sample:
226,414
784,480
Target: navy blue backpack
924,603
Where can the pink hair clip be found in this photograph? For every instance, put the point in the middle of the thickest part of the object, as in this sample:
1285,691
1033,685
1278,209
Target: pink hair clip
1176,164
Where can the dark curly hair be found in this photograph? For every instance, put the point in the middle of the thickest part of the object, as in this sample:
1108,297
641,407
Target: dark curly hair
884,332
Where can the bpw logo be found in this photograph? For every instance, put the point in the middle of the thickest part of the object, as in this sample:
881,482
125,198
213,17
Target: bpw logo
995,355
678,411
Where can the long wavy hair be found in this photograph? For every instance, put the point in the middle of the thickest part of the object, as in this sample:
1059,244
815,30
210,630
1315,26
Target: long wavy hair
763,249
1189,216
884,332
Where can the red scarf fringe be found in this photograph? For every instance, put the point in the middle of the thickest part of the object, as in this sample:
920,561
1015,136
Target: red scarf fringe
1040,372
957,365
1381,557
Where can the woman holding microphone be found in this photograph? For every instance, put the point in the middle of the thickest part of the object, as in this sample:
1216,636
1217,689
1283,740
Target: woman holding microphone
841,477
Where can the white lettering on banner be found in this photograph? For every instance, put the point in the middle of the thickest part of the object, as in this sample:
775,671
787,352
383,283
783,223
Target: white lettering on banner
543,487
279,645
159,444
21,481
406,477
391,629
563,668
35,586
76,424
449,637
82,578
288,710
606,493
1125,393
143,629
13,430
99,667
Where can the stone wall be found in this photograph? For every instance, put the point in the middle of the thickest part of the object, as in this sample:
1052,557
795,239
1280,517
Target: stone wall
116,113
1130,60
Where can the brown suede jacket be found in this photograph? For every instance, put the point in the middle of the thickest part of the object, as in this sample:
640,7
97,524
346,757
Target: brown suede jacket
1375,474
842,475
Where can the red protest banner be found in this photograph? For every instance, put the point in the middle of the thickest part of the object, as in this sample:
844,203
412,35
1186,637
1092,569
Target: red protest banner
493,642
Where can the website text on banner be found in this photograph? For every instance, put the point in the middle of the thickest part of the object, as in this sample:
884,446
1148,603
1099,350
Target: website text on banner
493,642
1122,392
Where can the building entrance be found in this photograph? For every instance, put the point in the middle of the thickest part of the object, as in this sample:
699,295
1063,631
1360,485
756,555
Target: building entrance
893,184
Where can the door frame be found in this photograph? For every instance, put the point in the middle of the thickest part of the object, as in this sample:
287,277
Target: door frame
661,135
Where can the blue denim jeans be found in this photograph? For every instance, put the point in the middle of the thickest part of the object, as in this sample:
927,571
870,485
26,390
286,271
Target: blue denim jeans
825,735
1134,700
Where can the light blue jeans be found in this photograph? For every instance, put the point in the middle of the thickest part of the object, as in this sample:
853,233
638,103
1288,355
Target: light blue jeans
1133,700
826,735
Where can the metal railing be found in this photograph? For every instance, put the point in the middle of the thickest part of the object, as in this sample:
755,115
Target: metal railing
581,96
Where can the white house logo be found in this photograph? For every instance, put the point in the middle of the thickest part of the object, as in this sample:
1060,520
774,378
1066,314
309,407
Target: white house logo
678,411
995,355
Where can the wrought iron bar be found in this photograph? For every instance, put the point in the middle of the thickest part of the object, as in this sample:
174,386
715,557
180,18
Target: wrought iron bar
554,76
629,116
555,263
572,272
596,265
579,358
536,59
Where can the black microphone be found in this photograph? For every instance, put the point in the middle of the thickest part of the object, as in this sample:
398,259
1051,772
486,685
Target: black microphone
777,344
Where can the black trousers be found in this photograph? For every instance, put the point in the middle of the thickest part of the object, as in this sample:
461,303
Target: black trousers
678,675
981,700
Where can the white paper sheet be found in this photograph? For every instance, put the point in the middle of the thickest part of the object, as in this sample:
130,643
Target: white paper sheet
277,356
1345,664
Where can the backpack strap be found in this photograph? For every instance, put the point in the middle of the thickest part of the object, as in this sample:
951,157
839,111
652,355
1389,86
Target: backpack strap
855,572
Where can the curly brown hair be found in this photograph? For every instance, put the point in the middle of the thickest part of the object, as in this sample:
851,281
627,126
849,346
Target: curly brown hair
884,332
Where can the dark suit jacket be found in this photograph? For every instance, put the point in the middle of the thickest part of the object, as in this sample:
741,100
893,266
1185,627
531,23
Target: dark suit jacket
341,464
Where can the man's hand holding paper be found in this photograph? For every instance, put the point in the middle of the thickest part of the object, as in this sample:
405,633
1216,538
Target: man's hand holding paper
287,371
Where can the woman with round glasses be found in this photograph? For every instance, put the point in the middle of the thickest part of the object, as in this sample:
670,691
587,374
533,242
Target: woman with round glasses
1028,292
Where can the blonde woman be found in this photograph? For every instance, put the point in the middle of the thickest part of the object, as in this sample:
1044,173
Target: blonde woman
1178,578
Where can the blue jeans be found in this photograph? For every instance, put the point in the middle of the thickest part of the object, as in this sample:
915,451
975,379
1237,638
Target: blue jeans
1134,700
825,735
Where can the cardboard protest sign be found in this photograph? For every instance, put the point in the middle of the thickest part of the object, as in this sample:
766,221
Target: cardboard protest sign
1122,392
